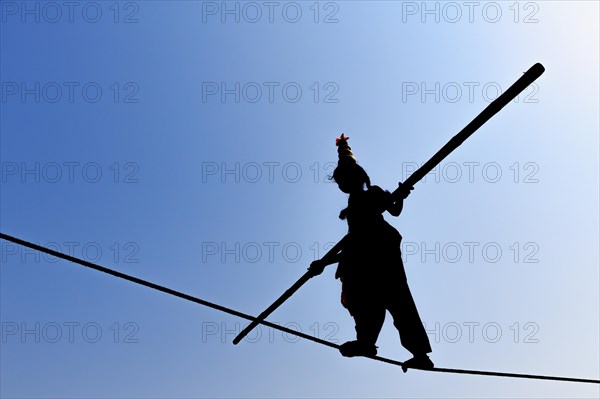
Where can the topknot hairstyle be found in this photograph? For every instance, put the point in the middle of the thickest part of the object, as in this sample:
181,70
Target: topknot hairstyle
344,150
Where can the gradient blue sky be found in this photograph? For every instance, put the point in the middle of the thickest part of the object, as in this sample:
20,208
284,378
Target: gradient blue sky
163,210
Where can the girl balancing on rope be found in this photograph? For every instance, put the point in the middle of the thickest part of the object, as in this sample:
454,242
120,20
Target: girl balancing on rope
370,266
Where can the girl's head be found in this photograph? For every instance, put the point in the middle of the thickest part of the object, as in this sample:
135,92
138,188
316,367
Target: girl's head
349,175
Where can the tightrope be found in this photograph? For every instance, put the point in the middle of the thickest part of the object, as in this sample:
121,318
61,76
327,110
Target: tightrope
267,323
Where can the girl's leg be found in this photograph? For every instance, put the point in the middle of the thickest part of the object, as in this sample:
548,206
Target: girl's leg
412,332
368,319
402,307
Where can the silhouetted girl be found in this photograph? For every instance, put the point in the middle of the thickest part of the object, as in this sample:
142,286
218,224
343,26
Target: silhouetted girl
370,266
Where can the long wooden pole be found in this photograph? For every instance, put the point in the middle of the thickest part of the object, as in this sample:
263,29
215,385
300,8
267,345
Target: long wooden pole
495,106
290,291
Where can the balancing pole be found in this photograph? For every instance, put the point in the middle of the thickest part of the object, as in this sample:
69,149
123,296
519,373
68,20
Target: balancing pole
333,251
495,106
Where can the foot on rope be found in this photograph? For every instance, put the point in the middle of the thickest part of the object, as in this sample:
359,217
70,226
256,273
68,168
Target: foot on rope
422,362
357,348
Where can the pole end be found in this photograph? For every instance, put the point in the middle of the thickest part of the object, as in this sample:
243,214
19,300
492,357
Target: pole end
537,70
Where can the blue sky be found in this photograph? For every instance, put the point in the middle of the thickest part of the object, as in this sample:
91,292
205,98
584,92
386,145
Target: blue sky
175,143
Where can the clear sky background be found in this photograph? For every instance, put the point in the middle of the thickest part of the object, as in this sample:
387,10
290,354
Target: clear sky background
190,143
